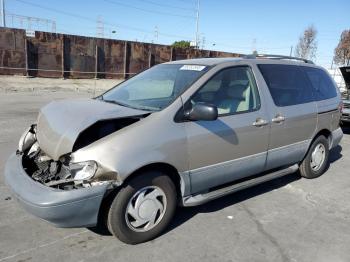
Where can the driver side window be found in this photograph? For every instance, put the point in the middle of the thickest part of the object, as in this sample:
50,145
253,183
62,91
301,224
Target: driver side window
232,90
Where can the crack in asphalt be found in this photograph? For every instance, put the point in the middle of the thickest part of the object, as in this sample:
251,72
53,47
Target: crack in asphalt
261,229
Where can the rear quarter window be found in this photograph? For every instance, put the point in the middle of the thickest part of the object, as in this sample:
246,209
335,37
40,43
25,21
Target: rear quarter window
287,84
321,82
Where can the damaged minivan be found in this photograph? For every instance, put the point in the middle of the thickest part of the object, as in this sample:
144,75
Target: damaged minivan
180,133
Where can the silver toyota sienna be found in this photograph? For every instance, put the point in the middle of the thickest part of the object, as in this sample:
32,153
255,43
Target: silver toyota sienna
184,132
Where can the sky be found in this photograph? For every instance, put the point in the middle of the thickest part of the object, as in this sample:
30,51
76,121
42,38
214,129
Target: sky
240,26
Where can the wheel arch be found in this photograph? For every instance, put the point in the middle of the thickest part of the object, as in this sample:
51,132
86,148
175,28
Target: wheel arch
181,183
180,180
326,133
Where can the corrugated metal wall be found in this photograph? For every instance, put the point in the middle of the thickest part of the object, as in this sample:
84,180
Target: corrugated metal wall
12,51
72,56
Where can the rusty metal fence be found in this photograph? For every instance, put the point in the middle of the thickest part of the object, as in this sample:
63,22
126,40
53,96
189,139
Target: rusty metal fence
73,56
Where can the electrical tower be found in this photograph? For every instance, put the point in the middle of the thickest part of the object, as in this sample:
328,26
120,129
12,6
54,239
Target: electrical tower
53,27
254,46
203,43
31,23
156,33
100,27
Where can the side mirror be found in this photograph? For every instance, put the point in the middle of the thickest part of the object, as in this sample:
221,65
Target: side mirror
202,111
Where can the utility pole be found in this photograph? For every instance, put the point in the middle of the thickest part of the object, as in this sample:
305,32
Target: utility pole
291,51
3,20
197,25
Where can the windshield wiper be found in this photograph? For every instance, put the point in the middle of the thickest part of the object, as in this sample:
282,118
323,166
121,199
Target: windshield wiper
149,108
145,108
114,102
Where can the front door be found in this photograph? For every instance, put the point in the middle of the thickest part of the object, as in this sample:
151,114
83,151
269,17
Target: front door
233,146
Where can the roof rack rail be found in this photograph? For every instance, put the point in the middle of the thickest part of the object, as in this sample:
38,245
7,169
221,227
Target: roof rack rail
278,57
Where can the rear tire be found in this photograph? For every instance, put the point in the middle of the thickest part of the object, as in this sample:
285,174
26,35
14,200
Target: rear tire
143,208
316,161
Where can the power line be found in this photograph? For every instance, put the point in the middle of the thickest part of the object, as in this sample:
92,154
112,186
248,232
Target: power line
166,5
186,1
77,16
147,10
151,32
55,10
29,20
246,47
131,28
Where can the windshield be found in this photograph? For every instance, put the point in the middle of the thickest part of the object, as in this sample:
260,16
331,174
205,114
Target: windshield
155,88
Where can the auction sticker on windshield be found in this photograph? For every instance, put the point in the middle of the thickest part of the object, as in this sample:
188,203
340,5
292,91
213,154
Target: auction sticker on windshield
192,67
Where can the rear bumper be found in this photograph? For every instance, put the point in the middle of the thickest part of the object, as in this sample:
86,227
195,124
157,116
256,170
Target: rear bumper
345,116
73,208
337,135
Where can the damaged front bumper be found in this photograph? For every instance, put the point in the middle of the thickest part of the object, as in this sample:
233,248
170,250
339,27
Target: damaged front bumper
63,208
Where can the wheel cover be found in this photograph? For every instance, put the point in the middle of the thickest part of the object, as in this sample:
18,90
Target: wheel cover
318,157
146,209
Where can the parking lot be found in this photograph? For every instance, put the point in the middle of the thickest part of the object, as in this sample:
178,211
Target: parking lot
289,219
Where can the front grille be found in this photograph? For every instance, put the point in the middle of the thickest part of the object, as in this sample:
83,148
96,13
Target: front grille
346,105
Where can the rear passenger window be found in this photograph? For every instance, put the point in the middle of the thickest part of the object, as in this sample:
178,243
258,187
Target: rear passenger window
288,85
321,83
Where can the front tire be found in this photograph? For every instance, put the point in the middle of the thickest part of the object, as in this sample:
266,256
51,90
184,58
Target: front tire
143,208
316,161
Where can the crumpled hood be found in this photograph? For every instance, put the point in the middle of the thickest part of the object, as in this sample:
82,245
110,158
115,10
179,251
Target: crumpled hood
60,122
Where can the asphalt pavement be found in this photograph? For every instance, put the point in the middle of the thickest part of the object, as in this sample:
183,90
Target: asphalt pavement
288,219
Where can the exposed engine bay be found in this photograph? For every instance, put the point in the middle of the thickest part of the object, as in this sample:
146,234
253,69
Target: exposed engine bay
47,171
101,129
59,174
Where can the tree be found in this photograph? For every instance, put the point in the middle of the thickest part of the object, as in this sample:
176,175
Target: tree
182,44
342,51
307,45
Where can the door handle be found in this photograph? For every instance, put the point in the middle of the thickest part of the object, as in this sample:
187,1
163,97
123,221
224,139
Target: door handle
278,119
260,122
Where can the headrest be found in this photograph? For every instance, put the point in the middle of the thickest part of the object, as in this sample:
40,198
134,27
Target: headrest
237,91
207,97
